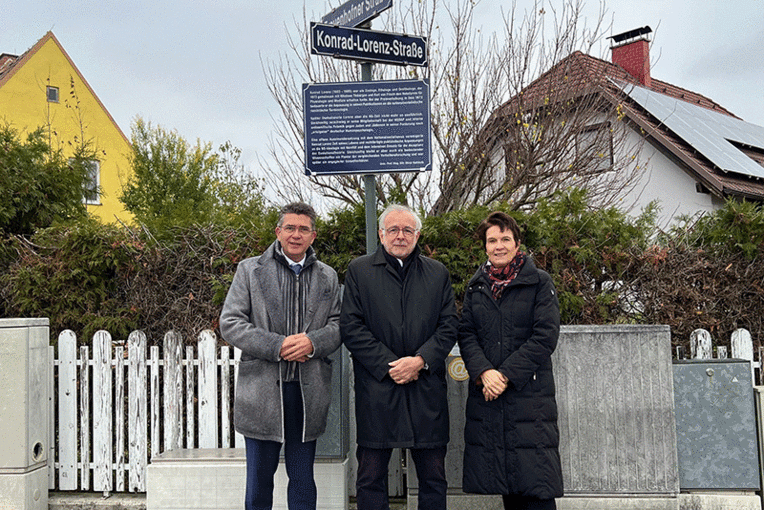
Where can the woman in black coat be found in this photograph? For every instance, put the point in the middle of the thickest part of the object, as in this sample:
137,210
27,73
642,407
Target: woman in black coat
509,329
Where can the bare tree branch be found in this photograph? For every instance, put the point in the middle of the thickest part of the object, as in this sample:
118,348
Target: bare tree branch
512,117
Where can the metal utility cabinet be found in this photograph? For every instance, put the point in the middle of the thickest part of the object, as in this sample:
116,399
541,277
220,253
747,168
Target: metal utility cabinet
24,417
716,425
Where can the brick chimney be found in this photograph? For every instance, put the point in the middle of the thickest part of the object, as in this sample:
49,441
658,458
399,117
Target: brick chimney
631,51
6,60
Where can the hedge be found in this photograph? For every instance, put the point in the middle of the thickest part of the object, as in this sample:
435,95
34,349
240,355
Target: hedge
608,268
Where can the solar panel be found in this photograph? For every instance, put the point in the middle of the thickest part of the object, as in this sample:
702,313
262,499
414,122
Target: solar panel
707,131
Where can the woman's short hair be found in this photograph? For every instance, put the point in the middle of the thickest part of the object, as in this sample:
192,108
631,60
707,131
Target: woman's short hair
502,220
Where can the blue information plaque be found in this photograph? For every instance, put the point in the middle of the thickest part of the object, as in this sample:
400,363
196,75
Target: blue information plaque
367,127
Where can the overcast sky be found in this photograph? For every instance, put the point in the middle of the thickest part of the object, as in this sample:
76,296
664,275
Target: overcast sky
194,66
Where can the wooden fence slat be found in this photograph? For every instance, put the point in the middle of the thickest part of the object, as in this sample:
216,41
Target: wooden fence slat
238,438
102,412
119,417
208,391
225,397
742,348
51,439
85,417
700,344
67,411
190,399
136,381
172,378
154,375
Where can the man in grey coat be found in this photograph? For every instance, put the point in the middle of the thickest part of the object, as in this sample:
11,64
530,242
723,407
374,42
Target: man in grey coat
282,311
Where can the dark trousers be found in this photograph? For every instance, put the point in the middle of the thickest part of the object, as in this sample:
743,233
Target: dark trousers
263,460
371,484
522,503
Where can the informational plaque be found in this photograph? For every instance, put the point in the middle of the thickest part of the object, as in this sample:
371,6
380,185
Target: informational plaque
367,127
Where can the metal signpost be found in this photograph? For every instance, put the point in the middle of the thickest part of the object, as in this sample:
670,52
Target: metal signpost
366,127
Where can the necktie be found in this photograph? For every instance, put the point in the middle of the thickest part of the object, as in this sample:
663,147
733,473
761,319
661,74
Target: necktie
296,268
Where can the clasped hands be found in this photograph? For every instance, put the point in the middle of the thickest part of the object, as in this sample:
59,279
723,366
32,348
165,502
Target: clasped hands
494,384
296,348
406,369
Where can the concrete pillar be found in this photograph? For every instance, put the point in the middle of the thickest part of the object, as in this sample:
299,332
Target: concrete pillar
24,414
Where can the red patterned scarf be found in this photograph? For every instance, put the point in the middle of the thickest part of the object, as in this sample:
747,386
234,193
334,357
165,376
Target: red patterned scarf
501,277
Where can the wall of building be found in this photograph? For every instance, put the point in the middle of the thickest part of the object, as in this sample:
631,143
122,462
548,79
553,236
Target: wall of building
24,104
664,180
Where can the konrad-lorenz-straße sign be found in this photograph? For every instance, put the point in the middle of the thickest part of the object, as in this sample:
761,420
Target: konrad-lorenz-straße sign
369,45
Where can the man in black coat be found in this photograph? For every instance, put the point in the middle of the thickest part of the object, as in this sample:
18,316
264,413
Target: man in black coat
399,323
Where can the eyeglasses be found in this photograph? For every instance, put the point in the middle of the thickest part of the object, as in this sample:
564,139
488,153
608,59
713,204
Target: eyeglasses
291,229
407,231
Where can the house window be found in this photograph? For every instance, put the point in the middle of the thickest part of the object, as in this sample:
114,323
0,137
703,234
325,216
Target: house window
594,147
52,93
93,184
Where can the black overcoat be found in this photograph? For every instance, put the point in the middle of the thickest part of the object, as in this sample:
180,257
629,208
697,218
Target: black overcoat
511,443
383,319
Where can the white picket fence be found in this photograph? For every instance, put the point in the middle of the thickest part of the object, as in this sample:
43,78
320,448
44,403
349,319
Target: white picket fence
701,347
111,412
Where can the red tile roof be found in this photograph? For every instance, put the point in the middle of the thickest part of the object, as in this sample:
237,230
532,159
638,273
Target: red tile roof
579,74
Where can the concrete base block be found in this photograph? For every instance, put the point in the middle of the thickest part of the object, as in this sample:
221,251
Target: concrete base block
24,491
478,502
719,501
695,501
214,479
618,503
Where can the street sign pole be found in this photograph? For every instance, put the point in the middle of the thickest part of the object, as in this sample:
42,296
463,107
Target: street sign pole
369,180
346,33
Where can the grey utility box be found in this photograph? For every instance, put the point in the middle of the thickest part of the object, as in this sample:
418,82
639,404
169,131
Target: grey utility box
334,443
716,425
24,414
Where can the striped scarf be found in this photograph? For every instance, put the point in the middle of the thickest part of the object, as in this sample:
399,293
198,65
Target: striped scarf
294,291
501,277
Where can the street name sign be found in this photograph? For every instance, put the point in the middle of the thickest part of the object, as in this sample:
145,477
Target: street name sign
368,45
367,127
354,13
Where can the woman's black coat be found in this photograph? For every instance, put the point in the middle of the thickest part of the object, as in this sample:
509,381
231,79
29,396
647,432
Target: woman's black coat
511,443
385,317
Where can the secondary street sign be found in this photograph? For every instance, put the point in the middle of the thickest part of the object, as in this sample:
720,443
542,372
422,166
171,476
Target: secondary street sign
354,13
367,127
368,45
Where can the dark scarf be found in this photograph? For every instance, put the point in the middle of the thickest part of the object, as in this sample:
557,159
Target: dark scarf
402,269
500,278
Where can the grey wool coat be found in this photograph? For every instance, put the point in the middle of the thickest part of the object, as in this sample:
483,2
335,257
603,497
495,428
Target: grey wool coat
253,320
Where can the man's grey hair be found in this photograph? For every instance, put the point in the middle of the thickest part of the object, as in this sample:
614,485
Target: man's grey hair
298,208
398,208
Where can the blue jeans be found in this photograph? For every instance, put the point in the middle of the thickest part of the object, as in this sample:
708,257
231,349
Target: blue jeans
371,484
263,460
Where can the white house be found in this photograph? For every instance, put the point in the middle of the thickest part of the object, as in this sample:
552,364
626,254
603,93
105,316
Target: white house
689,153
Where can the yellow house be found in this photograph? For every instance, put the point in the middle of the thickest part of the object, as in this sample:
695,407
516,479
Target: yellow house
43,88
